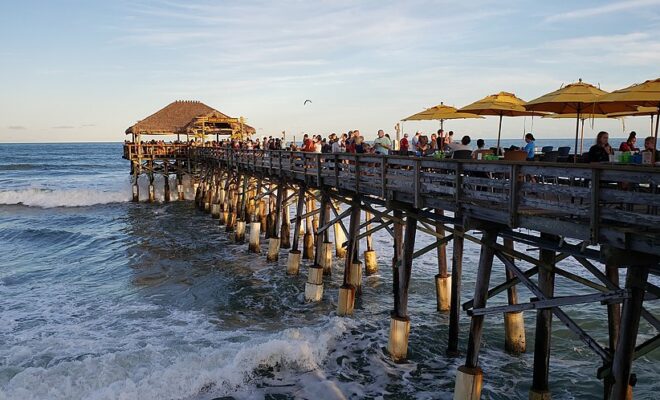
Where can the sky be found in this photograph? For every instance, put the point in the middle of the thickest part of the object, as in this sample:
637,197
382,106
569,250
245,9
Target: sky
83,70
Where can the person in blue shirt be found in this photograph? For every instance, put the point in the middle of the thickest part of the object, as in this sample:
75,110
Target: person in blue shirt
529,147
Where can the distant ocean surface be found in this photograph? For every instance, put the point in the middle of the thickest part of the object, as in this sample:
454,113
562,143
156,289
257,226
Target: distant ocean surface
107,299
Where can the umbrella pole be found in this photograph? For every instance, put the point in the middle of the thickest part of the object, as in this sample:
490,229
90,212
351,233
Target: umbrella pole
655,142
577,131
582,138
499,132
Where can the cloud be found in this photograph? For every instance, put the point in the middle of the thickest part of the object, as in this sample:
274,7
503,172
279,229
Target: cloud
630,49
16,127
626,5
87,125
62,127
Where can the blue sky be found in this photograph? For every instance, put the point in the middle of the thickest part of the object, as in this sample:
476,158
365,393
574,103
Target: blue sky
86,70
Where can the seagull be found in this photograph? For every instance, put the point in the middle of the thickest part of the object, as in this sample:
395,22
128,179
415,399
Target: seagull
307,101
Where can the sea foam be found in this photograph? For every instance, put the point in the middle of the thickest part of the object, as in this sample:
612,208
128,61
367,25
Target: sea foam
47,198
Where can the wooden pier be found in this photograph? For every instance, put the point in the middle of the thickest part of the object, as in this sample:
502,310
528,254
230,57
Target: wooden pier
605,217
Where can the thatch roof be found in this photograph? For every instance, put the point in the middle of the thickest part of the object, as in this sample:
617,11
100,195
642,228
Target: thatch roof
187,117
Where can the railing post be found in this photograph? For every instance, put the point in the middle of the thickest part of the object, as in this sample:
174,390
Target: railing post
318,170
595,214
383,177
417,184
513,196
336,171
357,173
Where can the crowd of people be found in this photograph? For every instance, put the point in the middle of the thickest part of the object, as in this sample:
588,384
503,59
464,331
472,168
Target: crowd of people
602,151
354,142
418,145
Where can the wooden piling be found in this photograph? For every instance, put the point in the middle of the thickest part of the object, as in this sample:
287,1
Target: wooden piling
397,344
370,259
166,183
340,239
540,389
293,262
255,230
347,291
136,187
469,377
179,187
308,238
514,323
455,303
636,278
442,278
275,215
323,256
285,227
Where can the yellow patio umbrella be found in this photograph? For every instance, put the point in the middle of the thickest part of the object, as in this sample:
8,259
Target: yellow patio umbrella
440,112
645,94
582,118
502,104
576,98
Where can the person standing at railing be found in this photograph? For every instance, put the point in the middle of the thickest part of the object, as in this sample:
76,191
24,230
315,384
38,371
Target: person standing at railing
351,141
318,144
404,145
382,144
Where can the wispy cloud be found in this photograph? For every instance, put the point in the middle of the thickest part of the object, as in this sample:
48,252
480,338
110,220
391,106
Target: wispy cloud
609,8
16,127
62,127
630,49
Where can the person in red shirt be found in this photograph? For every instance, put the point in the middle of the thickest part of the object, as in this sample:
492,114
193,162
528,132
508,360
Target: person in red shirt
404,145
629,145
308,144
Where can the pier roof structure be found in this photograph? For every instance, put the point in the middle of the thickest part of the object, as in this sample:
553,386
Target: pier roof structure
186,117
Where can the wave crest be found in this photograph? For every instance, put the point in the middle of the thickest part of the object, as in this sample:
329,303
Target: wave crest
47,198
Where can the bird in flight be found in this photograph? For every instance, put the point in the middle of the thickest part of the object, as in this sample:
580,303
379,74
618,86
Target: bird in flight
307,101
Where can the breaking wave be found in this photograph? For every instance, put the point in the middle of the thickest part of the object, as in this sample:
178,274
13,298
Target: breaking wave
47,198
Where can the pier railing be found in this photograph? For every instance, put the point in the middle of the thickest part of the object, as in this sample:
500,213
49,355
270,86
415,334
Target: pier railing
150,151
595,203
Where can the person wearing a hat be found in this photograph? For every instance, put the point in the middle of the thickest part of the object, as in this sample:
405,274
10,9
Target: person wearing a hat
530,146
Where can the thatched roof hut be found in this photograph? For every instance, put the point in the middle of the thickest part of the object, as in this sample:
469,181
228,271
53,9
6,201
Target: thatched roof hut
185,117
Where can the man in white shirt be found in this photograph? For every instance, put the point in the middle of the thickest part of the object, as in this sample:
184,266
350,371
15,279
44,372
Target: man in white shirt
382,144
464,145
415,141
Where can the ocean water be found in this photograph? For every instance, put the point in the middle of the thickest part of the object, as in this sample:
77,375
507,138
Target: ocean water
107,299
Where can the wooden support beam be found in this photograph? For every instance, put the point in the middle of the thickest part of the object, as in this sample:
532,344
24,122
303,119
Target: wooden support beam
542,342
456,277
405,270
561,315
375,229
298,220
324,227
614,296
480,292
630,315
502,287
336,213
351,252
